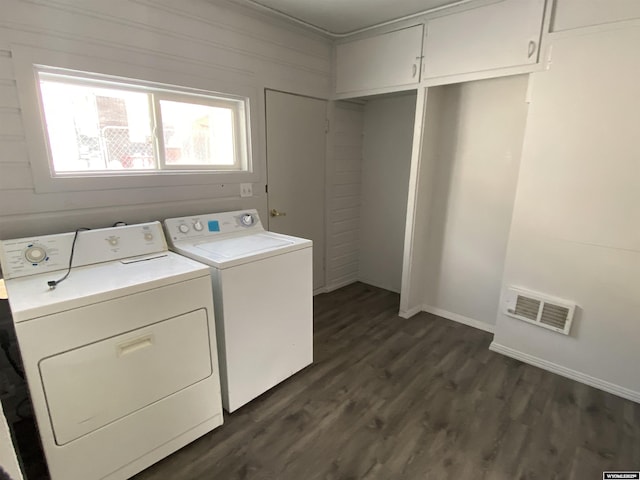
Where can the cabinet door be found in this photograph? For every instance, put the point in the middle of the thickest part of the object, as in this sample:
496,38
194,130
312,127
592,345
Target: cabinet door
500,35
388,60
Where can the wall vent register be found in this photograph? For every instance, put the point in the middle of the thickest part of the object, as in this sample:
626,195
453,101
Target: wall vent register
542,310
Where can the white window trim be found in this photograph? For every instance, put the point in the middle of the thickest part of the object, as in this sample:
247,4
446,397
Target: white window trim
28,61
241,140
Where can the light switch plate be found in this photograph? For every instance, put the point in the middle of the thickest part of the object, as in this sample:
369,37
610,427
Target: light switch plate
246,190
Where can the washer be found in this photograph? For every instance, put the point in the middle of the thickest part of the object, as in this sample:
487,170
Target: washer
120,357
263,298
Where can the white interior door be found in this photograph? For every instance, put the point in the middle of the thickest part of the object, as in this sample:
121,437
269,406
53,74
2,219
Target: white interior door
296,170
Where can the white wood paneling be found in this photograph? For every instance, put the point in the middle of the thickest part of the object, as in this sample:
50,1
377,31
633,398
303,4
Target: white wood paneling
209,45
344,186
6,66
10,122
98,217
8,94
13,149
15,176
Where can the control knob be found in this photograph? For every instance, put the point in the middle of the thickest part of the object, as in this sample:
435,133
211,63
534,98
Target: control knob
35,254
247,219
184,228
197,226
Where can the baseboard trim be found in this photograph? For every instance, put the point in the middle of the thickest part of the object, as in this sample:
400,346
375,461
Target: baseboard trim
471,322
335,286
378,285
567,372
411,312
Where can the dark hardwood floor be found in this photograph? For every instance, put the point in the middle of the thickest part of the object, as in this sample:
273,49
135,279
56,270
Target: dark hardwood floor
388,398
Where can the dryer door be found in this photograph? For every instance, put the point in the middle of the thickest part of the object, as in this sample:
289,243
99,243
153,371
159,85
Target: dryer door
94,385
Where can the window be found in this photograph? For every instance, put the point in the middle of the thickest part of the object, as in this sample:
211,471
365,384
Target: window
98,126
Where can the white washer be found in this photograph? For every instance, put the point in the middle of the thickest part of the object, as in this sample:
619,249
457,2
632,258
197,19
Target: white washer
263,298
120,357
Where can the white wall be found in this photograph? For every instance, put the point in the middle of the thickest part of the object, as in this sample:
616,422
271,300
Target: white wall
481,131
344,178
388,137
203,44
8,460
576,225
570,14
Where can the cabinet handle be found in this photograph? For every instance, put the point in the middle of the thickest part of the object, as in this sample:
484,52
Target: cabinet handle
532,48
415,70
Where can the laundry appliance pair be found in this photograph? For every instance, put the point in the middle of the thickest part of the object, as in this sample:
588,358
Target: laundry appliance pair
127,345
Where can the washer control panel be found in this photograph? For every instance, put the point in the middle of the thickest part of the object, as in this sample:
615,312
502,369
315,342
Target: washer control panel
29,256
202,226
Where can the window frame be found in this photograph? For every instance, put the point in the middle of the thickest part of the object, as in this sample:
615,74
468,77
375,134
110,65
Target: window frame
155,96
239,136
29,61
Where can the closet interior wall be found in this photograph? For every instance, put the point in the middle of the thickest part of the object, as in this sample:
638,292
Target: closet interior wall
481,127
388,137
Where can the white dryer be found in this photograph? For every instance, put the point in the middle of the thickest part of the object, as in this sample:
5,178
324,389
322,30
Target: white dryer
120,357
263,298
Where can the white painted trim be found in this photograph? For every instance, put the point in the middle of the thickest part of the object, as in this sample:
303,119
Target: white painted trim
409,313
412,207
328,183
567,372
373,91
483,75
471,322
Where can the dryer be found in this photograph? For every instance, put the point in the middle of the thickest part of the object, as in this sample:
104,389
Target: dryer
120,357
263,298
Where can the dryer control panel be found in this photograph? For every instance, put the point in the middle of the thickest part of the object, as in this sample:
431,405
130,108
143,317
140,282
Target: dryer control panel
29,256
212,224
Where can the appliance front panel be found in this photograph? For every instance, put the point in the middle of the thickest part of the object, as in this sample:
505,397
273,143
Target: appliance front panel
267,318
94,385
136,440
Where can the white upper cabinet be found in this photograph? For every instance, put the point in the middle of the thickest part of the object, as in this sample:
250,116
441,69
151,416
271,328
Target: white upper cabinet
499,35
384,61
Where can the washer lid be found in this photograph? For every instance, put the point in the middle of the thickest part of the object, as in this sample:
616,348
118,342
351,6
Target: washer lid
232,250
242,246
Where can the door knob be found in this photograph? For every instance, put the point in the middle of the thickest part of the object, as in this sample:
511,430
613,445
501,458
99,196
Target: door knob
276,213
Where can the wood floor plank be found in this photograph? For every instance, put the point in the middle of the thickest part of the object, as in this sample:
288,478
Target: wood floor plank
396,399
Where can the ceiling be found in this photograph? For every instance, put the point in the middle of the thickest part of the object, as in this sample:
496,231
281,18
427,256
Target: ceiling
340,17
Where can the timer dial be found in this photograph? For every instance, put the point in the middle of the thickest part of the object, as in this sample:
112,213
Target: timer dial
35,254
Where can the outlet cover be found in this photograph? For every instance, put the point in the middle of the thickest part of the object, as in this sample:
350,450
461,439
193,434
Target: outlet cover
246,190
